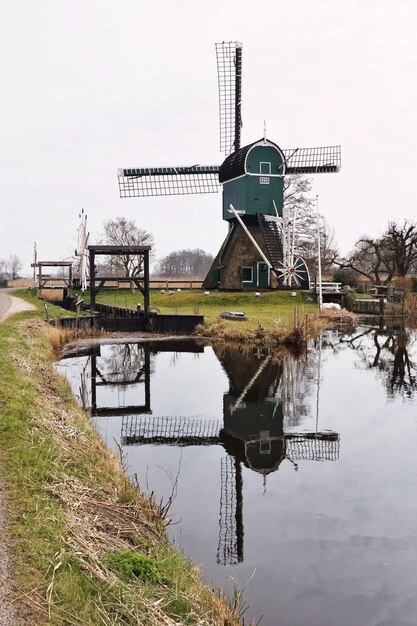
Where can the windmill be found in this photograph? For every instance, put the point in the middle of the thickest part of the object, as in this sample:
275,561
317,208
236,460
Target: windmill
258,251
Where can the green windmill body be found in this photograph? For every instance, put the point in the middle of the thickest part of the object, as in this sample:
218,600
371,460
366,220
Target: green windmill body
252,180
258,251
253,190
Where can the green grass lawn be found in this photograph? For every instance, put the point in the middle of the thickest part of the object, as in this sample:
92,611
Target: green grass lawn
269,309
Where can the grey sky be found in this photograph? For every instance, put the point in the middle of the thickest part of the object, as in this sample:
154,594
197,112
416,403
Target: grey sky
93,85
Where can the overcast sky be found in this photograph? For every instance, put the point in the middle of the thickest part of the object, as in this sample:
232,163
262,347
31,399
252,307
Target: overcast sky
93,85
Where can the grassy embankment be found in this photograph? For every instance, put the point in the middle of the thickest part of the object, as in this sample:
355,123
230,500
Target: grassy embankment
274,317
267,310
89,548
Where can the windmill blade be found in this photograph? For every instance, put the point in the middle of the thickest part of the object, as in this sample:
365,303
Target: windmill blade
313,446
168,181
229,72
173,430
323,160
230,546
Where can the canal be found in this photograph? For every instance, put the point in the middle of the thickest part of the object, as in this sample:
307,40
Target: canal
292,477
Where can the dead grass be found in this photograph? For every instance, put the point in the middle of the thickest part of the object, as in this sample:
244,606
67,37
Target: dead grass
338,317
305,326
59,337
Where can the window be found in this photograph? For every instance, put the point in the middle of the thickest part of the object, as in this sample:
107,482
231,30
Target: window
264,180
265,167
246,274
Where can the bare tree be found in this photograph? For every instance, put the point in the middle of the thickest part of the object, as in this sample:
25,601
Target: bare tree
401,245
382,258
14,266
124,232
369,259
300,204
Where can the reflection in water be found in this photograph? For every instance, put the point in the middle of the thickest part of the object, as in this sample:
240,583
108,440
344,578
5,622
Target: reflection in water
261,396
264,393
389,354
332,543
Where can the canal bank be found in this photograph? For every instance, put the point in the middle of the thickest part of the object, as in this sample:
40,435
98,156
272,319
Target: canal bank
88,546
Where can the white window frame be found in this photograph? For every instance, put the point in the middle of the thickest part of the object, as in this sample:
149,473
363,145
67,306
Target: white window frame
264,180
268,168
251,273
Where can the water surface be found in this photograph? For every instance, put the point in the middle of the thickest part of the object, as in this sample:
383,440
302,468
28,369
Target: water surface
298,475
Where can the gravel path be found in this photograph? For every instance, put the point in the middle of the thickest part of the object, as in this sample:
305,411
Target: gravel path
8,614
10,304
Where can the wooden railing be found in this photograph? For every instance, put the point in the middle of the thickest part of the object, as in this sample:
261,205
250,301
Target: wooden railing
169,283
326,287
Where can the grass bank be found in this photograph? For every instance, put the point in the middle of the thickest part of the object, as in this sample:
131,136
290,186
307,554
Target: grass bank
270,309
89,548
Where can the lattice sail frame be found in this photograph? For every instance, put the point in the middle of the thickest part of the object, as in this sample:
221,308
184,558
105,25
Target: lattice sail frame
229,74
227,549
170,430
168,181
318,160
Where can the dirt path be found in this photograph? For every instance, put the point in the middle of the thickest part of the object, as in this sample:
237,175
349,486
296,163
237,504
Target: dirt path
8,614
10,304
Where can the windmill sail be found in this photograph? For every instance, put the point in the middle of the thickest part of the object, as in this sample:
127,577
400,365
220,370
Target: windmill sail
323,160
168,181
229,73
82,250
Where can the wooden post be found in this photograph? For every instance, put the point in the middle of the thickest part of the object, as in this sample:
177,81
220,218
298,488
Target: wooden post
92,282
147,377
70,281
146,285
93,381
40,280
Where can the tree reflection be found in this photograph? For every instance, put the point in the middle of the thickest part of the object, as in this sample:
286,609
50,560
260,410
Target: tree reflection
389,350
122,363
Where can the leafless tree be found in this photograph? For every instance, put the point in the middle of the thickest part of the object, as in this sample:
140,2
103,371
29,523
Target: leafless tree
401,244
381,259
124,232
369,258
14,266
300,204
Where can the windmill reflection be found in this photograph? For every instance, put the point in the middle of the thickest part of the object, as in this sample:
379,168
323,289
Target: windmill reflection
266,395
263,407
